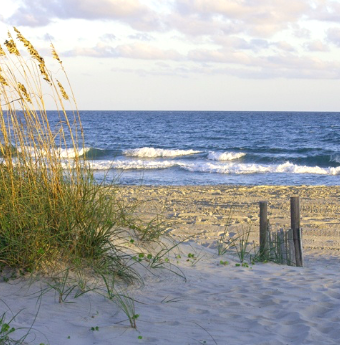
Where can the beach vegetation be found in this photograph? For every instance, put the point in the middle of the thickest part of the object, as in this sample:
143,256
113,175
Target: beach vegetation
55,218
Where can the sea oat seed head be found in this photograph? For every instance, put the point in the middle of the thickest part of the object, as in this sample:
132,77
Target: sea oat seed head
11,47
43,71
24,92
32,51
3,80
54,54
62,90
2,52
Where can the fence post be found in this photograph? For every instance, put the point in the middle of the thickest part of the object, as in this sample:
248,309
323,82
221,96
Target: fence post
263,229
295,225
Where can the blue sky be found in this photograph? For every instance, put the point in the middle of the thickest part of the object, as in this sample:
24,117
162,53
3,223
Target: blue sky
190,54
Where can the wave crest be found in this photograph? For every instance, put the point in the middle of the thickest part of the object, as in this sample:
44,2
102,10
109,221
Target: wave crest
225,156
217,168
150,152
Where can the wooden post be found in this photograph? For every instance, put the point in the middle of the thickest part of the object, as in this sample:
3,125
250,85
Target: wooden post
263,229
282,247
291,248
295,225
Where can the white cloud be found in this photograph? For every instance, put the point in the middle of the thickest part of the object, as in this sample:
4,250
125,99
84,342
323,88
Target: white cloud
220,56
333,36
326,10
41,12
137,50
316,46
285,46
141,37
228,41
264,19
108,37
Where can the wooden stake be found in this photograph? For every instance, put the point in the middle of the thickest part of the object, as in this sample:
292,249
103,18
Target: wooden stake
295,225
263,229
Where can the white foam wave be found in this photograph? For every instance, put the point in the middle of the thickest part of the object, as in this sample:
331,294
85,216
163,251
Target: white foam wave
150,152
215,167
233,168
225,156
129,165
62,153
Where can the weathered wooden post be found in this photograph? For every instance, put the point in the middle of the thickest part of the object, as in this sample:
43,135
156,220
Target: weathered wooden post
263,229
295,225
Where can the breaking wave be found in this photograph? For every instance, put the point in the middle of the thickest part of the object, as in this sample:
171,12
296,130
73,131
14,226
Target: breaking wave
150,152
225,156
219,168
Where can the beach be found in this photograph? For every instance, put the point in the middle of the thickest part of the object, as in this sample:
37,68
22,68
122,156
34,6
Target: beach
201,297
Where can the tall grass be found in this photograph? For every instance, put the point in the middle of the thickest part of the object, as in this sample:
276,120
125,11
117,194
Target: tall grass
52,212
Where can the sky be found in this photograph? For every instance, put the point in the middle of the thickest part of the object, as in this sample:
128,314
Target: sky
247,55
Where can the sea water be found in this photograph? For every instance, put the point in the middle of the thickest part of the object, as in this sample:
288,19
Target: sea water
203,147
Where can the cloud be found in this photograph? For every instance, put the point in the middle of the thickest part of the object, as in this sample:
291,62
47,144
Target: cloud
333,36
137,50
220,56
48,38
326,10
228,41
190,17
283,64
41,12
300,32
285,46
316,46
108,37
141,37
264,19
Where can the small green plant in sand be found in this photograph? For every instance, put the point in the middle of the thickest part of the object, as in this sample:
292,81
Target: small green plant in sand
242,245
6,330
60,284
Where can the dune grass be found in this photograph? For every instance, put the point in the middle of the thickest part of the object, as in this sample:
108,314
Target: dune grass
54,216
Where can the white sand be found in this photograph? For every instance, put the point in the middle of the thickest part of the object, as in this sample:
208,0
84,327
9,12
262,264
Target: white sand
260,304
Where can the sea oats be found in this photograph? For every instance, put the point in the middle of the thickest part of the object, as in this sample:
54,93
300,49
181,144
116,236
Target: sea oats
24,92
62,90
55,55
11,46
2,52
32,51
3,80
42,68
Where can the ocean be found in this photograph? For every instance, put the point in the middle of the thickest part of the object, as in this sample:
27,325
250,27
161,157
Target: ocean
209,148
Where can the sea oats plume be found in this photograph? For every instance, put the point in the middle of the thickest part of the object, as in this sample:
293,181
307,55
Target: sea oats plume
2,52
62,90
54,54
24,92
11,46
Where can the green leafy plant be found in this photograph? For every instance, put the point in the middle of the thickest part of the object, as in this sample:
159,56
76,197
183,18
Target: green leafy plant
5,329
